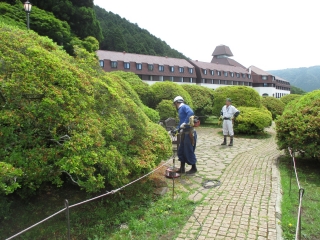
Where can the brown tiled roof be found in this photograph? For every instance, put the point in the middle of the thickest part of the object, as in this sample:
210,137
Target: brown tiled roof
259,71
222,50
226,61
140,58
279,78
219,67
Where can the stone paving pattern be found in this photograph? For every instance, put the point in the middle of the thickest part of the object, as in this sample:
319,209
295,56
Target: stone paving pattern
244,205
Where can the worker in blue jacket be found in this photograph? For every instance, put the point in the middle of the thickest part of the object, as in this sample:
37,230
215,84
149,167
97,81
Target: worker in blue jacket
188,137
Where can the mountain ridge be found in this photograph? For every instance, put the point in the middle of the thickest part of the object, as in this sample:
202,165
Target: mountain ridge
306,78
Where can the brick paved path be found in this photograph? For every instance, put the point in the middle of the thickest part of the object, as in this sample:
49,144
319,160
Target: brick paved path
244,206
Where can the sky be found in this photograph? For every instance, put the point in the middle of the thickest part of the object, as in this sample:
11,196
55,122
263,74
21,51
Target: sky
271,35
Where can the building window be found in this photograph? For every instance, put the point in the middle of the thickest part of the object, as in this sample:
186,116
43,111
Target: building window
265,84
150,67
225,74
190,70
139,66
219,73
191,80
264,77
204,71
181,69
212,72
171,79
181,79
238,75
249,76
161,68
232,74
161,78
126,65
101,62
114,64
243,75
171,68
150,78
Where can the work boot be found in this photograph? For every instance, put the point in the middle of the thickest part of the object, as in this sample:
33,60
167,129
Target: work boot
193,169
224,141
182,168
231,141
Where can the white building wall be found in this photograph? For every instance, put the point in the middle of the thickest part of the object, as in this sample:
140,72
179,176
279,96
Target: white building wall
271,91
153,82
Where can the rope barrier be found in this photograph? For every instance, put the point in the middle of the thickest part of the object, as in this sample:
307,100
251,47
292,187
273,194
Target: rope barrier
301,193
89,200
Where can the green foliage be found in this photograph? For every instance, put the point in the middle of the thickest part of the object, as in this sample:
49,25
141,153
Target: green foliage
290,97
240,96
274,105
89,43
42,22
152,114
304,78
168,91
252,120
299,125
121,35
141,88
65,115
8,175
202,98
296,90
167,110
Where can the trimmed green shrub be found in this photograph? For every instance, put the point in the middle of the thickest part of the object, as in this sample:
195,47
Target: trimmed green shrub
167,110
152,114
299,125
290,97
141,88
202,98
240,96
274,105
168,91
252,120
62,115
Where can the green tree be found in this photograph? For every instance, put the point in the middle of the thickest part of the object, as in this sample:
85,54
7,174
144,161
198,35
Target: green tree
296,90
167,110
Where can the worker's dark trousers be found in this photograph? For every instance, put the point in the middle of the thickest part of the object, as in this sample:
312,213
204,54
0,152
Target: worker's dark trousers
186,150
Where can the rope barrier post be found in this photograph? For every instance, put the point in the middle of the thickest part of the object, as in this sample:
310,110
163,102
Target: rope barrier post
301,193
291,178
66,204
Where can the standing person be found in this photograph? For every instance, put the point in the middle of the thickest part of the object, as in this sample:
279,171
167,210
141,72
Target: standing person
228,112
188,137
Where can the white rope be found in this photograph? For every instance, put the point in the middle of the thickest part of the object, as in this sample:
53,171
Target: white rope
89,200
299,216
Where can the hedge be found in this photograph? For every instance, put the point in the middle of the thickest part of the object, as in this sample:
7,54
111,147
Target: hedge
240,95
167,110
252,120
299,125
290,97
64,116
274,105
168,91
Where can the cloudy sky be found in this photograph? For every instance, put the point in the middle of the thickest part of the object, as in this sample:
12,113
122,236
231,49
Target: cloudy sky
273,34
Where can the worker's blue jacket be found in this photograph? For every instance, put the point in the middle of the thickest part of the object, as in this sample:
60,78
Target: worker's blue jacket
185,112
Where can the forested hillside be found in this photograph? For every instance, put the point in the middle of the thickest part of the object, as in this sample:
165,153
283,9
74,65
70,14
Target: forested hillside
121,35
68,22
308,79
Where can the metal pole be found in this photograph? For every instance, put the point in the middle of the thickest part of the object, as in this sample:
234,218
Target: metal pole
28,20
66,203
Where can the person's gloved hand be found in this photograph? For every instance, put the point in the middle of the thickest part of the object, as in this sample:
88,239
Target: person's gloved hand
174,131
182,125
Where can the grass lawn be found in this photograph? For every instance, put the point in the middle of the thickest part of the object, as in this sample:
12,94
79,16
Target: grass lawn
309,176
134,213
